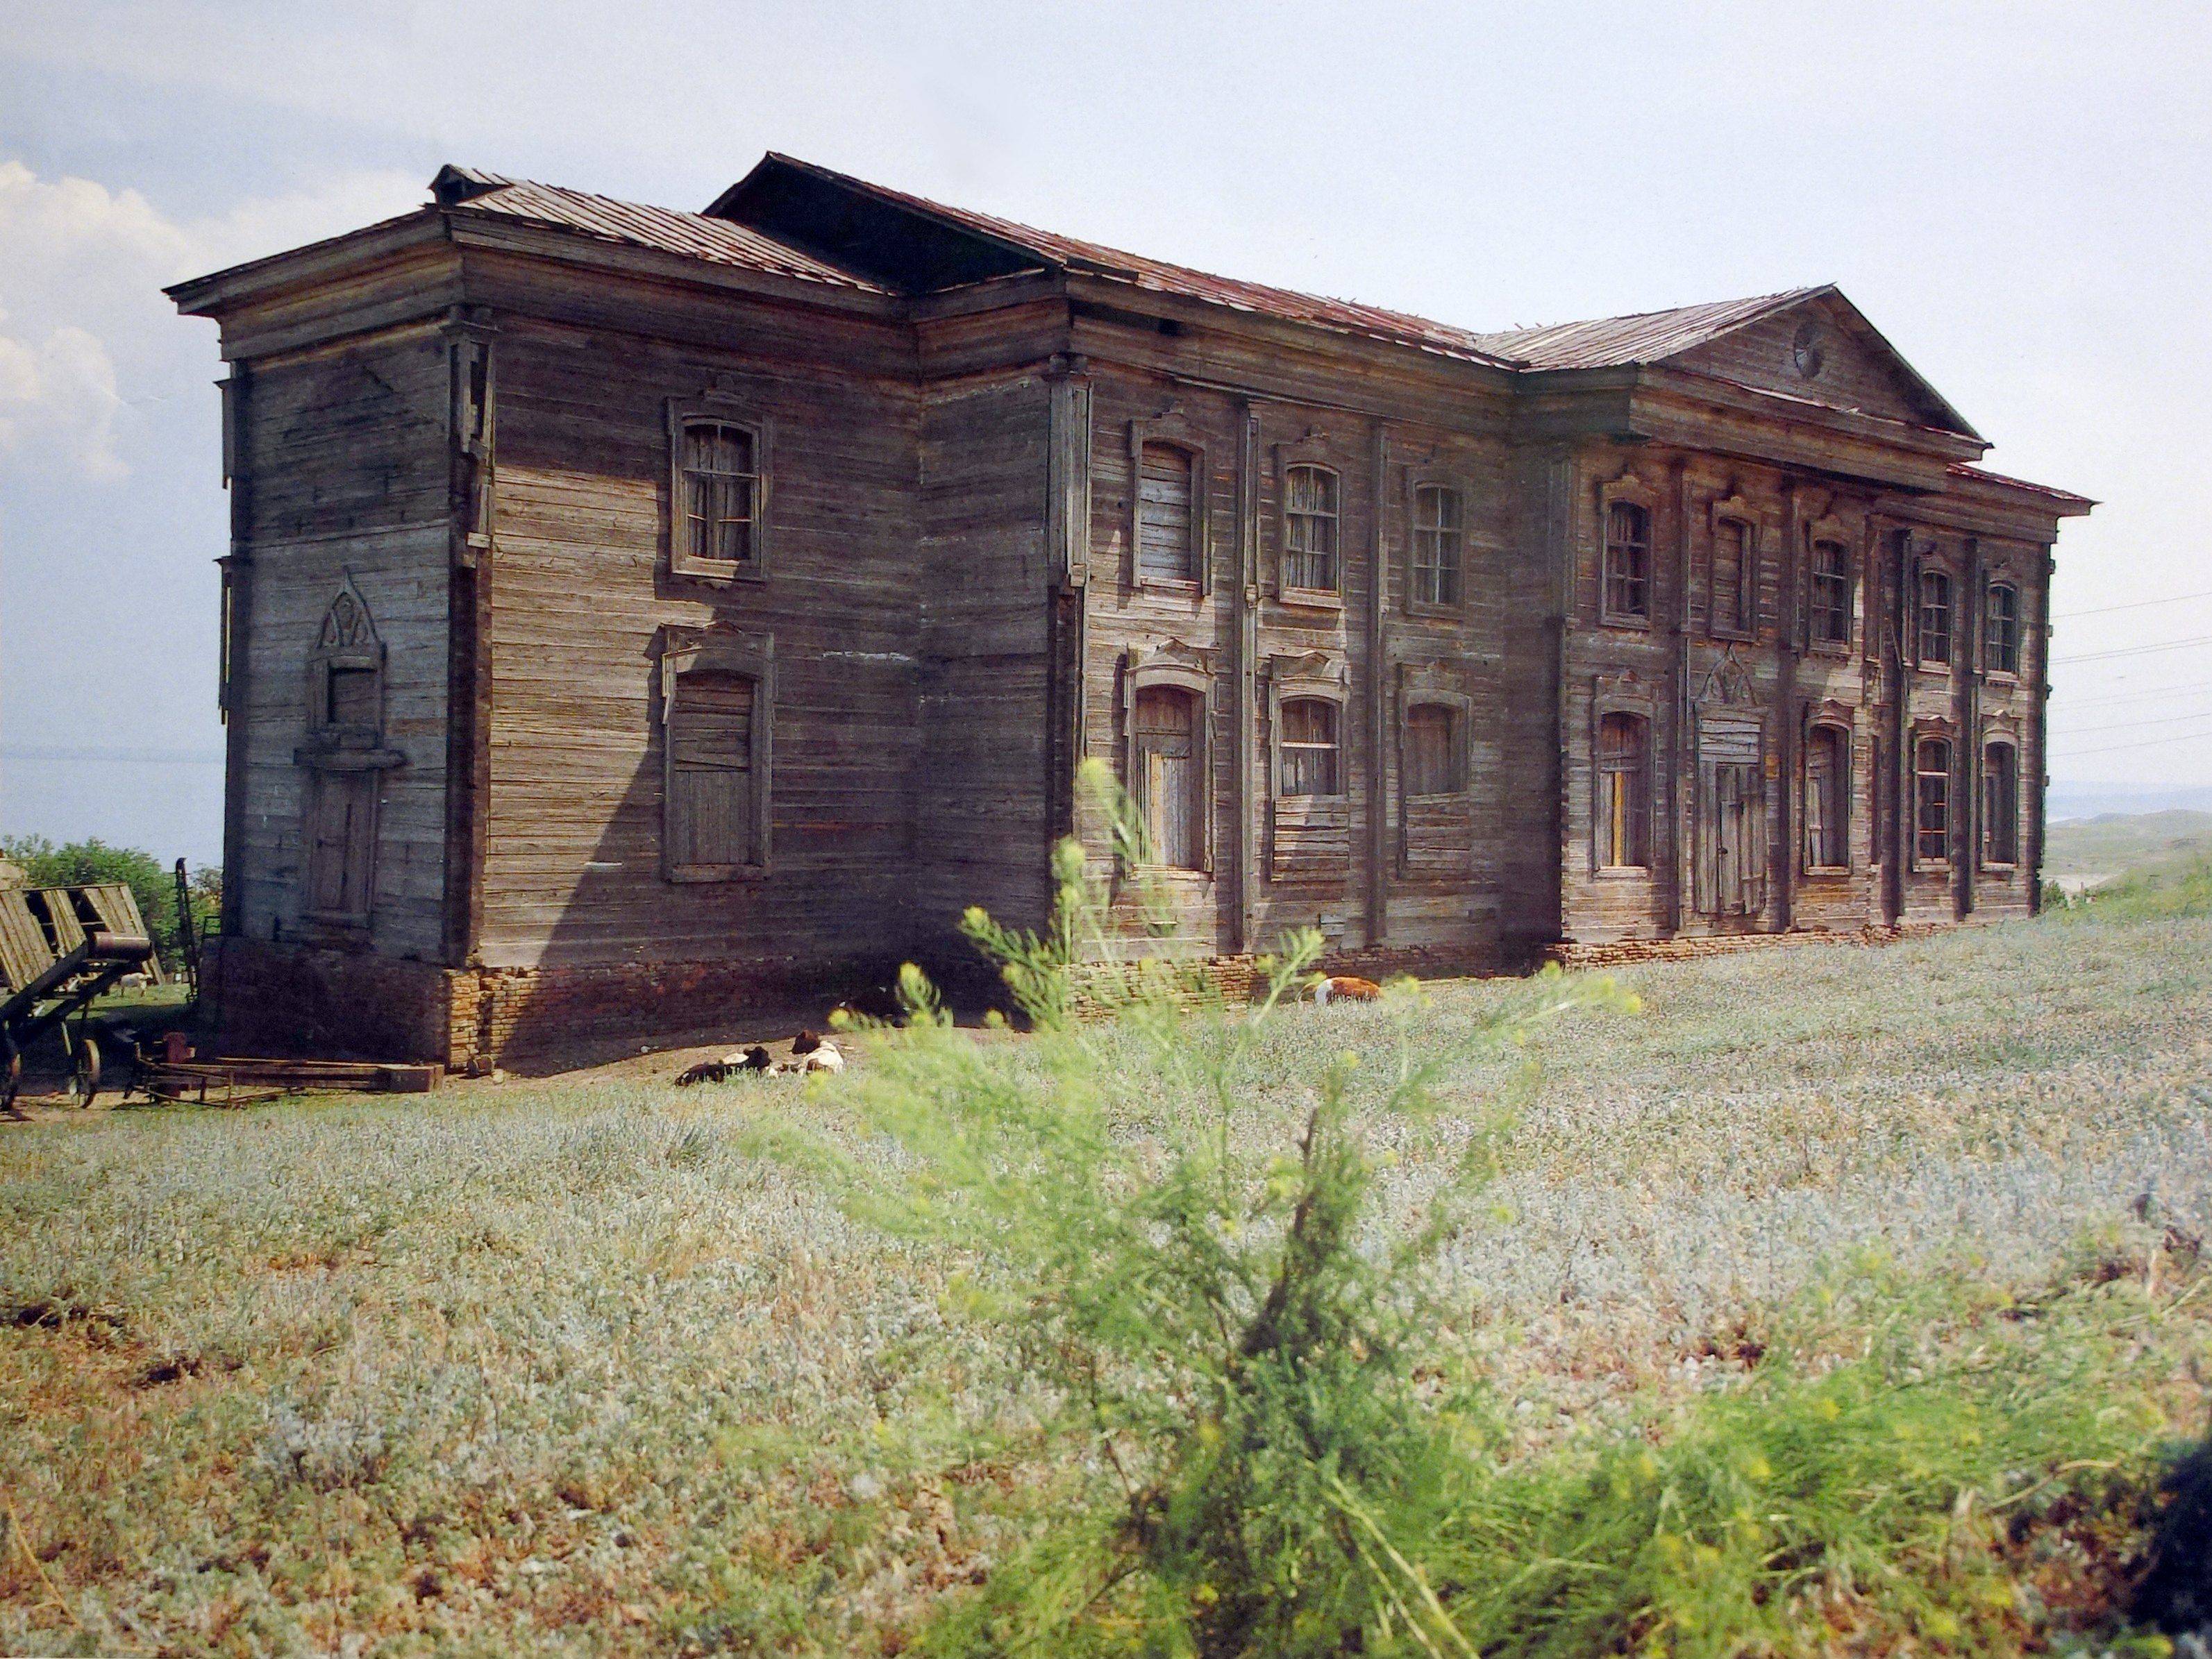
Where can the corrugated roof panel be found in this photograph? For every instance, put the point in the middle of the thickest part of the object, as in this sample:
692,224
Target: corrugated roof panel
720,241
1645,337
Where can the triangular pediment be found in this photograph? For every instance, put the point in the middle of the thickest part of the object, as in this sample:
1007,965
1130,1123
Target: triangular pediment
1819,346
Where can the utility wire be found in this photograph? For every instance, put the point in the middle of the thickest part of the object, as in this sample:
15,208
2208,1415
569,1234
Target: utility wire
2134,650
2062,700
2139,604
2144,743
2155,720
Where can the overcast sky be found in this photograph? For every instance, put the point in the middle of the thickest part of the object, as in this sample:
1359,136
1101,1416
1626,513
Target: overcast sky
2017,194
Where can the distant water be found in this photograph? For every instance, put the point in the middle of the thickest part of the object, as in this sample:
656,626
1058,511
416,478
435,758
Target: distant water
171,805
2093,800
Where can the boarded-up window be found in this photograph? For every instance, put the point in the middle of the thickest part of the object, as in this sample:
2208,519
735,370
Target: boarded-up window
1167,525
350,698
1164,731
2000,804
1934,628
1310,517
1309,748
2003,633
710,771
1931,797
720,486
1827,778
1435,764
1623,808
1831,594
1627,561
342,843
1438,544
1735,568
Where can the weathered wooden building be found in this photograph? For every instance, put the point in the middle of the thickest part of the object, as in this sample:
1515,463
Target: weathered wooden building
629,613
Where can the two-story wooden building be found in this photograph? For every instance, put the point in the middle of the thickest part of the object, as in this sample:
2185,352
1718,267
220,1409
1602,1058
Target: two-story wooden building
631,613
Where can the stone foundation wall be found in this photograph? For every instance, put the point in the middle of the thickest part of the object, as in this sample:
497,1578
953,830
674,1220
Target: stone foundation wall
295,1000
1626,952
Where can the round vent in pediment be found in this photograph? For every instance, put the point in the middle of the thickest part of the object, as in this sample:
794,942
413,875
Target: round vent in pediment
1808,351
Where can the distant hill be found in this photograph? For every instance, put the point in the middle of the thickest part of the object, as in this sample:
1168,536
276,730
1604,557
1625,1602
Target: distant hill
2091,801
2086,852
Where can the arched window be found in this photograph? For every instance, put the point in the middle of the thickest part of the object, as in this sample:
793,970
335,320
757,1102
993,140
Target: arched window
1167,525
1934,616
1831,594
1309,748
1931,799
1165,753
2001,634
2000,804
1735,576
1623,793
1438,538
1827,797
1309,528
1627,561
1436,762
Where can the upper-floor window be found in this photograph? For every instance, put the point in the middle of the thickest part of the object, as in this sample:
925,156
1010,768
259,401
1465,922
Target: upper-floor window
1623,793
1309,516
1831,594
1167,525
1627,561
1309,748
717,494
2000,804
2001,634
1931,797
1735,575
1827,797
1436,763
1934,616
1438,540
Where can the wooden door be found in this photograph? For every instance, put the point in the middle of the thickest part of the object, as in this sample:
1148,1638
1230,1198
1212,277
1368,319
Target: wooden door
342,843
1165,741
1738,858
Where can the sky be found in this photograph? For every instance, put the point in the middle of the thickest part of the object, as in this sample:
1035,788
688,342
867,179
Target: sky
2017,194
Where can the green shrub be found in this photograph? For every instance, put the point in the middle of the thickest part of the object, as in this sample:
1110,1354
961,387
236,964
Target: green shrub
2153,895
1203,1271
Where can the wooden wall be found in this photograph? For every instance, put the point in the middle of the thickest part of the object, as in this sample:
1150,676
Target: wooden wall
581,600
341,466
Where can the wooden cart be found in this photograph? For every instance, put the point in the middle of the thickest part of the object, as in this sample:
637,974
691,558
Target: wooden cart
61,947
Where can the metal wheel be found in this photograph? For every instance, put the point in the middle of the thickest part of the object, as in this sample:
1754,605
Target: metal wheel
11,1075
84,1069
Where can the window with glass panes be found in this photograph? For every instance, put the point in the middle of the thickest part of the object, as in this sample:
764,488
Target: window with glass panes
1309,748
1437,544
1831,594
1309,528
1931,798
721,492
1627,560
2001,632
1934,616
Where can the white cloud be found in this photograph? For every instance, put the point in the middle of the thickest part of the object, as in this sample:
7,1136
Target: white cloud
86,336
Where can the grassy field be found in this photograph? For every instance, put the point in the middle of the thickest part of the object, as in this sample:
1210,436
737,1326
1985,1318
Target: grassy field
2087,851
558,1368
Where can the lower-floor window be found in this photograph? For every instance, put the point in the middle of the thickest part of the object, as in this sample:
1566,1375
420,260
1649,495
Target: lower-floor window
1827,795
1931,795
1623,793
1164,749
2000,804
1309,748
1435,763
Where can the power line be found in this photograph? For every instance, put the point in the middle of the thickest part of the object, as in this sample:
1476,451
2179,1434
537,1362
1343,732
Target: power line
2061,700
2145,742
2134,650
2139,604
2155,720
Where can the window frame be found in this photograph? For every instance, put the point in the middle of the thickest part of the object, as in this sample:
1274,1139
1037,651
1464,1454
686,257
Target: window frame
1926,571
1290,460
1418,483
1457,709
1844,578
1923,735
1734,510
684,561
1338,773
1178,667
1177,434
1833,725
1631,492
2001,582
747,656
1993,740
1602,794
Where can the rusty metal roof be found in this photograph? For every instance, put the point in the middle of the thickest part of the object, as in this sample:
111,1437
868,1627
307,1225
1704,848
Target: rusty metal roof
720,241
1155,276
1647,336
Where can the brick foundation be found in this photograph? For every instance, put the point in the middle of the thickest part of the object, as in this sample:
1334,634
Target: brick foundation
295,1000
1626,952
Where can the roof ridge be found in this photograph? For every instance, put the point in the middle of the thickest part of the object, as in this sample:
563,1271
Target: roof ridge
1779,297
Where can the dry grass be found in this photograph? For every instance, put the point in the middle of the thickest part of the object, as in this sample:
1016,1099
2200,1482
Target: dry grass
558,1369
